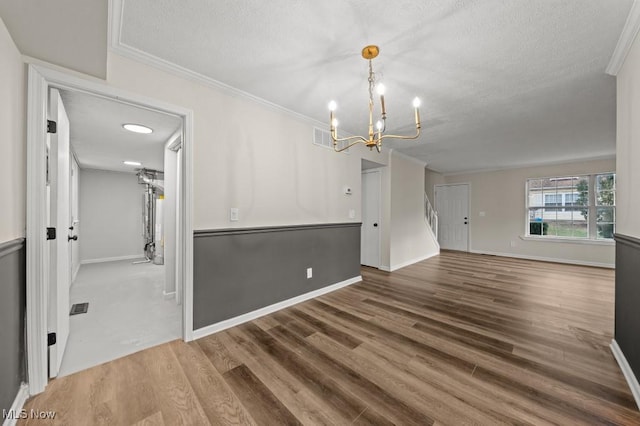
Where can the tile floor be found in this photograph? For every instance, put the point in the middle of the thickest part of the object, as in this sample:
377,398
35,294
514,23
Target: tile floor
127,313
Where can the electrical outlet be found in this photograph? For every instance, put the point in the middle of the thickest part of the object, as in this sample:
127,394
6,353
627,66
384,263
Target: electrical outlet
309,273
234,214
513,243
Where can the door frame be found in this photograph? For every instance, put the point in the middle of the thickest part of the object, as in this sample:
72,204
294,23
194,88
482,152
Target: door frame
40,79
377,171
468,185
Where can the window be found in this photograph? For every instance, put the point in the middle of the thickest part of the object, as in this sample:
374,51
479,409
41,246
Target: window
579,207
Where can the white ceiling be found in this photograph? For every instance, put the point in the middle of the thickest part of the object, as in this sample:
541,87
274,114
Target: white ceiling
69,33
503,82
100,142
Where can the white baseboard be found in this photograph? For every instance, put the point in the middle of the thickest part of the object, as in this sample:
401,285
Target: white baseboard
250,316
16,407
170,295
632,381
112,259
407,263
547,259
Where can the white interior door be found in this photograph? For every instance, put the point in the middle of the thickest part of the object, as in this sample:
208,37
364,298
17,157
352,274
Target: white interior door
60,218
370,233
452,204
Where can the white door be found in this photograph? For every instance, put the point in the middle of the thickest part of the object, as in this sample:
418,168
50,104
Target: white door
452,205
60,218
370,233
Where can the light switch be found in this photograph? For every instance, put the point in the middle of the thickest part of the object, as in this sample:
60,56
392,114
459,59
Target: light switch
352,214
233,214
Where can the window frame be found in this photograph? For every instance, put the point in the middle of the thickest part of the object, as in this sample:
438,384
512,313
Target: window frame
592,206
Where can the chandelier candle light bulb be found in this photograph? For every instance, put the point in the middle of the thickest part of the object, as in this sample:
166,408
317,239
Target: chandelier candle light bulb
374,139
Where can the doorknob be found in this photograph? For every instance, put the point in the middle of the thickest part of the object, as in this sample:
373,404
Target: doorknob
375,225
74,238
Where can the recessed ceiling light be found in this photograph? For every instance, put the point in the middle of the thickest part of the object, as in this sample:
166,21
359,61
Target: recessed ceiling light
137,128
132,163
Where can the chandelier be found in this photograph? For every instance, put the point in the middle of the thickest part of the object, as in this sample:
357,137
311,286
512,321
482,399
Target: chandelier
376,136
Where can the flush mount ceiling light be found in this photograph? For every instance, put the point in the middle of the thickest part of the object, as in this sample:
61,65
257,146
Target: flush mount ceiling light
375,136
132,163
137,128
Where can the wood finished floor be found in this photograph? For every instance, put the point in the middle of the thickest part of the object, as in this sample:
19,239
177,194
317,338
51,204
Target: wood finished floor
457,339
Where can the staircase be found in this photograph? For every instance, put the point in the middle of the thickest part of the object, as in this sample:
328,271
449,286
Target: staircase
431,216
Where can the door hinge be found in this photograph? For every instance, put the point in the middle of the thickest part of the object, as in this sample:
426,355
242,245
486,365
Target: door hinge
52,126
51,233
51,339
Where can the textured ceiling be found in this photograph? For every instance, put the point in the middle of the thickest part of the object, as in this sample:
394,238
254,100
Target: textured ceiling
100,142
69,33
503,82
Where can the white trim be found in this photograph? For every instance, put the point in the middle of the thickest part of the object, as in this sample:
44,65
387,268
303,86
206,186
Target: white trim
527,165
628,35
586,241
18,403
40,79
112,259
185,245
547,259
250,316
407,263
168,296
632,380
37,255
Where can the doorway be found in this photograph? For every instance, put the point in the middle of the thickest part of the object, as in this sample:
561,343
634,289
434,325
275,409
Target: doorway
452,204
370,233
41,282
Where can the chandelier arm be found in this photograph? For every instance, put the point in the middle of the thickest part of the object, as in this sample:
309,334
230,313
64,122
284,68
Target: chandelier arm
400,137
360,139
350,145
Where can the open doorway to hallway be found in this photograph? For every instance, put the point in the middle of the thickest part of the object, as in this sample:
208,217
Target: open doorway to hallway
118,191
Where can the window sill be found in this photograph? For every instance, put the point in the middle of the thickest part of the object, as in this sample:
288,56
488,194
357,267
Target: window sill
568,240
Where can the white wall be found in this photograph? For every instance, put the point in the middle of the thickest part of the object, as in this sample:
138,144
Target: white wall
262,160
628,144
410,237
111,212
501,195
12,140
252,156
432,178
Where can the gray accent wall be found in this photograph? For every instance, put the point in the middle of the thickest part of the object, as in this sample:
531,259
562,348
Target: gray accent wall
240,270
627,327
13,302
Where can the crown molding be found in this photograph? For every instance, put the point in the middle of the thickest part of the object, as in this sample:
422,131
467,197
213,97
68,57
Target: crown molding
528,165
628,35
116,45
